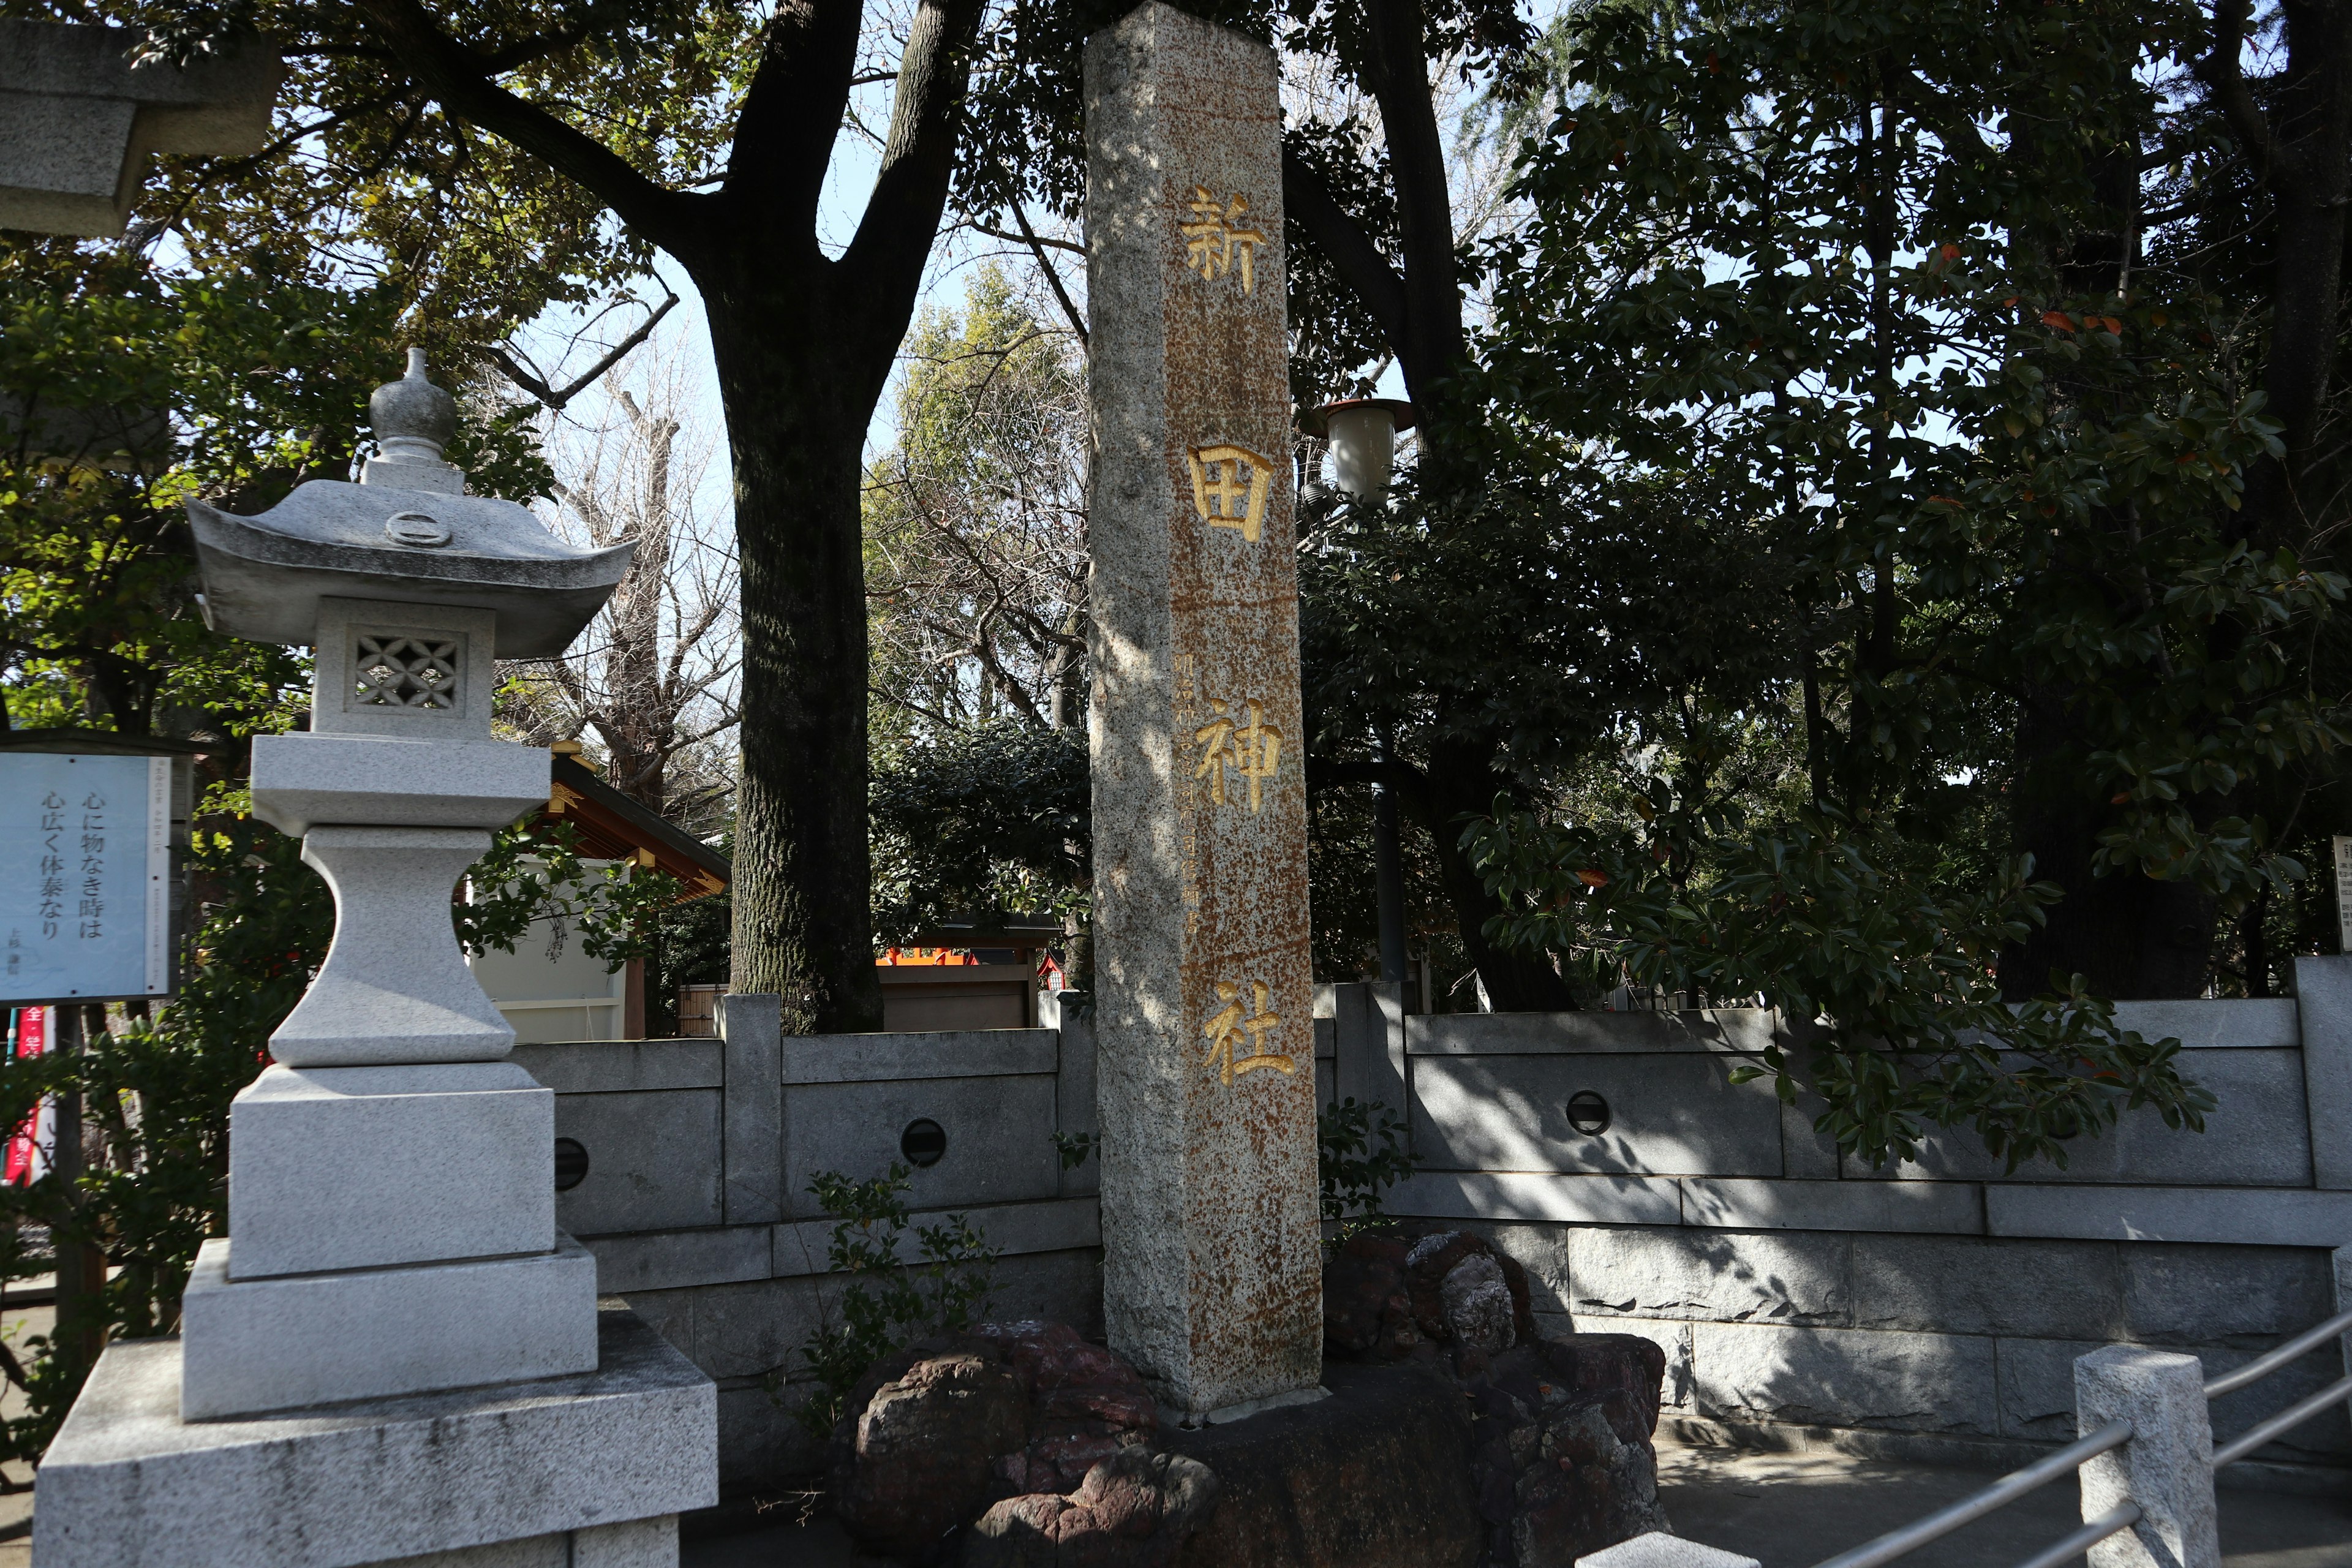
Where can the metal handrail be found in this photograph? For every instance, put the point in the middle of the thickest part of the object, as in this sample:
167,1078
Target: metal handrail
2082,1540
1975,1506
2262,1366
2294,1414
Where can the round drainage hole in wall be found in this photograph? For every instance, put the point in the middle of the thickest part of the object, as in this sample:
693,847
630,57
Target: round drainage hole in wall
1588,1112
923,1142
571,1163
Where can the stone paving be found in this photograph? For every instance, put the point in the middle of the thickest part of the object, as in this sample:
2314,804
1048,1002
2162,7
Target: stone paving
1790,1511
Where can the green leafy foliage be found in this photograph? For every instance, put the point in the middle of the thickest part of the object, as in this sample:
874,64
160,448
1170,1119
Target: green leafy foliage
890,1299
1891,976
534,872
1359,1153
994,819
1779,269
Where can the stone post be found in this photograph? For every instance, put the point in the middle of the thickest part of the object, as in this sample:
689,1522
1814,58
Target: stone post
1204,1019
2167,1465
1659,1549
2323,993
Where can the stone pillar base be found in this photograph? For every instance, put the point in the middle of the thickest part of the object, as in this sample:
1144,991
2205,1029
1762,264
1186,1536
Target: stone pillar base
595,1465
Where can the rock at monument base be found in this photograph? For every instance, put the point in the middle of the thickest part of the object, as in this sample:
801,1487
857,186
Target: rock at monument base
1134,1509
1563,1455
1384,1292
935,1434
1377,1475
1021,1445
921,1446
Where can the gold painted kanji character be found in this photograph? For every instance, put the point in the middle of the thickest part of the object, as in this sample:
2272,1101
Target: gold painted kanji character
1253,750
1214,241
1237,1036
1230,486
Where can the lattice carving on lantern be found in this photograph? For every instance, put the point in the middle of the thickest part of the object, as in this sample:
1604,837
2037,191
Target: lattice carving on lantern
416,671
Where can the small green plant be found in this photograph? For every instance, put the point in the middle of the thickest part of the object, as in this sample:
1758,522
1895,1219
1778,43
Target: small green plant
1360,1150
891,1300
1074,1148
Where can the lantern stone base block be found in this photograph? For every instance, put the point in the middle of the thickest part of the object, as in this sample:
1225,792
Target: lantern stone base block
588,1471
332,1168
254,1345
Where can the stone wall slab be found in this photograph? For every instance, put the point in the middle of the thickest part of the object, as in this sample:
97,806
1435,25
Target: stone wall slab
1710,1276
1000,1146
652,1161
1670,1114
1967,1284
1951,1208
1845,1377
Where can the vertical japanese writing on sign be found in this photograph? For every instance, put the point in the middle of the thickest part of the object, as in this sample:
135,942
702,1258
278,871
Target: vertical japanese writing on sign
85,844
2344,895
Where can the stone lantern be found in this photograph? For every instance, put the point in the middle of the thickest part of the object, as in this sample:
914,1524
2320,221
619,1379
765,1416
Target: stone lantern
390,1137
391,1192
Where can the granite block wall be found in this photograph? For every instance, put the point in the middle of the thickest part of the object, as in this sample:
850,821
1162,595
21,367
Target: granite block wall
1934,1310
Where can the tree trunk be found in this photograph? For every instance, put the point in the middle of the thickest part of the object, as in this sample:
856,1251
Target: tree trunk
797,401
2129,936
1462,781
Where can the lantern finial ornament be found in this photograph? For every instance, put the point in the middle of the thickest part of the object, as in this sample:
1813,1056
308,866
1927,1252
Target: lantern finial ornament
412,420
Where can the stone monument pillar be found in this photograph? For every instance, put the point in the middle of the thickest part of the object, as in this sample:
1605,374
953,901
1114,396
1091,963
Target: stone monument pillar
393,1351
1211,1261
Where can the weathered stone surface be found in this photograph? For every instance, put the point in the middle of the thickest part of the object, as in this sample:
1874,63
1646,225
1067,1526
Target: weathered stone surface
1845,1377
2167,1468
78,122
2322,987
1366,1308
2037,1386
2186,1293
1378,1475
1659,1549
128,1484
1134,1509
1562,1432
1965,1285
1205,1012
1788,1278
1385,1294
1673,1340
1463,1291
2259,1135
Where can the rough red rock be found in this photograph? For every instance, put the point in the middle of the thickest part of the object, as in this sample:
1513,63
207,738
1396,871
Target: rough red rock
1435,1259
1378,1475
919,1454
1134,1509
1562,1453
945,1429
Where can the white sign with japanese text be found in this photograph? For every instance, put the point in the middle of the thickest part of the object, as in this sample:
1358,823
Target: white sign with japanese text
86,862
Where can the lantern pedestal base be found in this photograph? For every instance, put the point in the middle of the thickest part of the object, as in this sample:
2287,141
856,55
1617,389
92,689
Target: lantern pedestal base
332,1168
254,1345
587,1471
